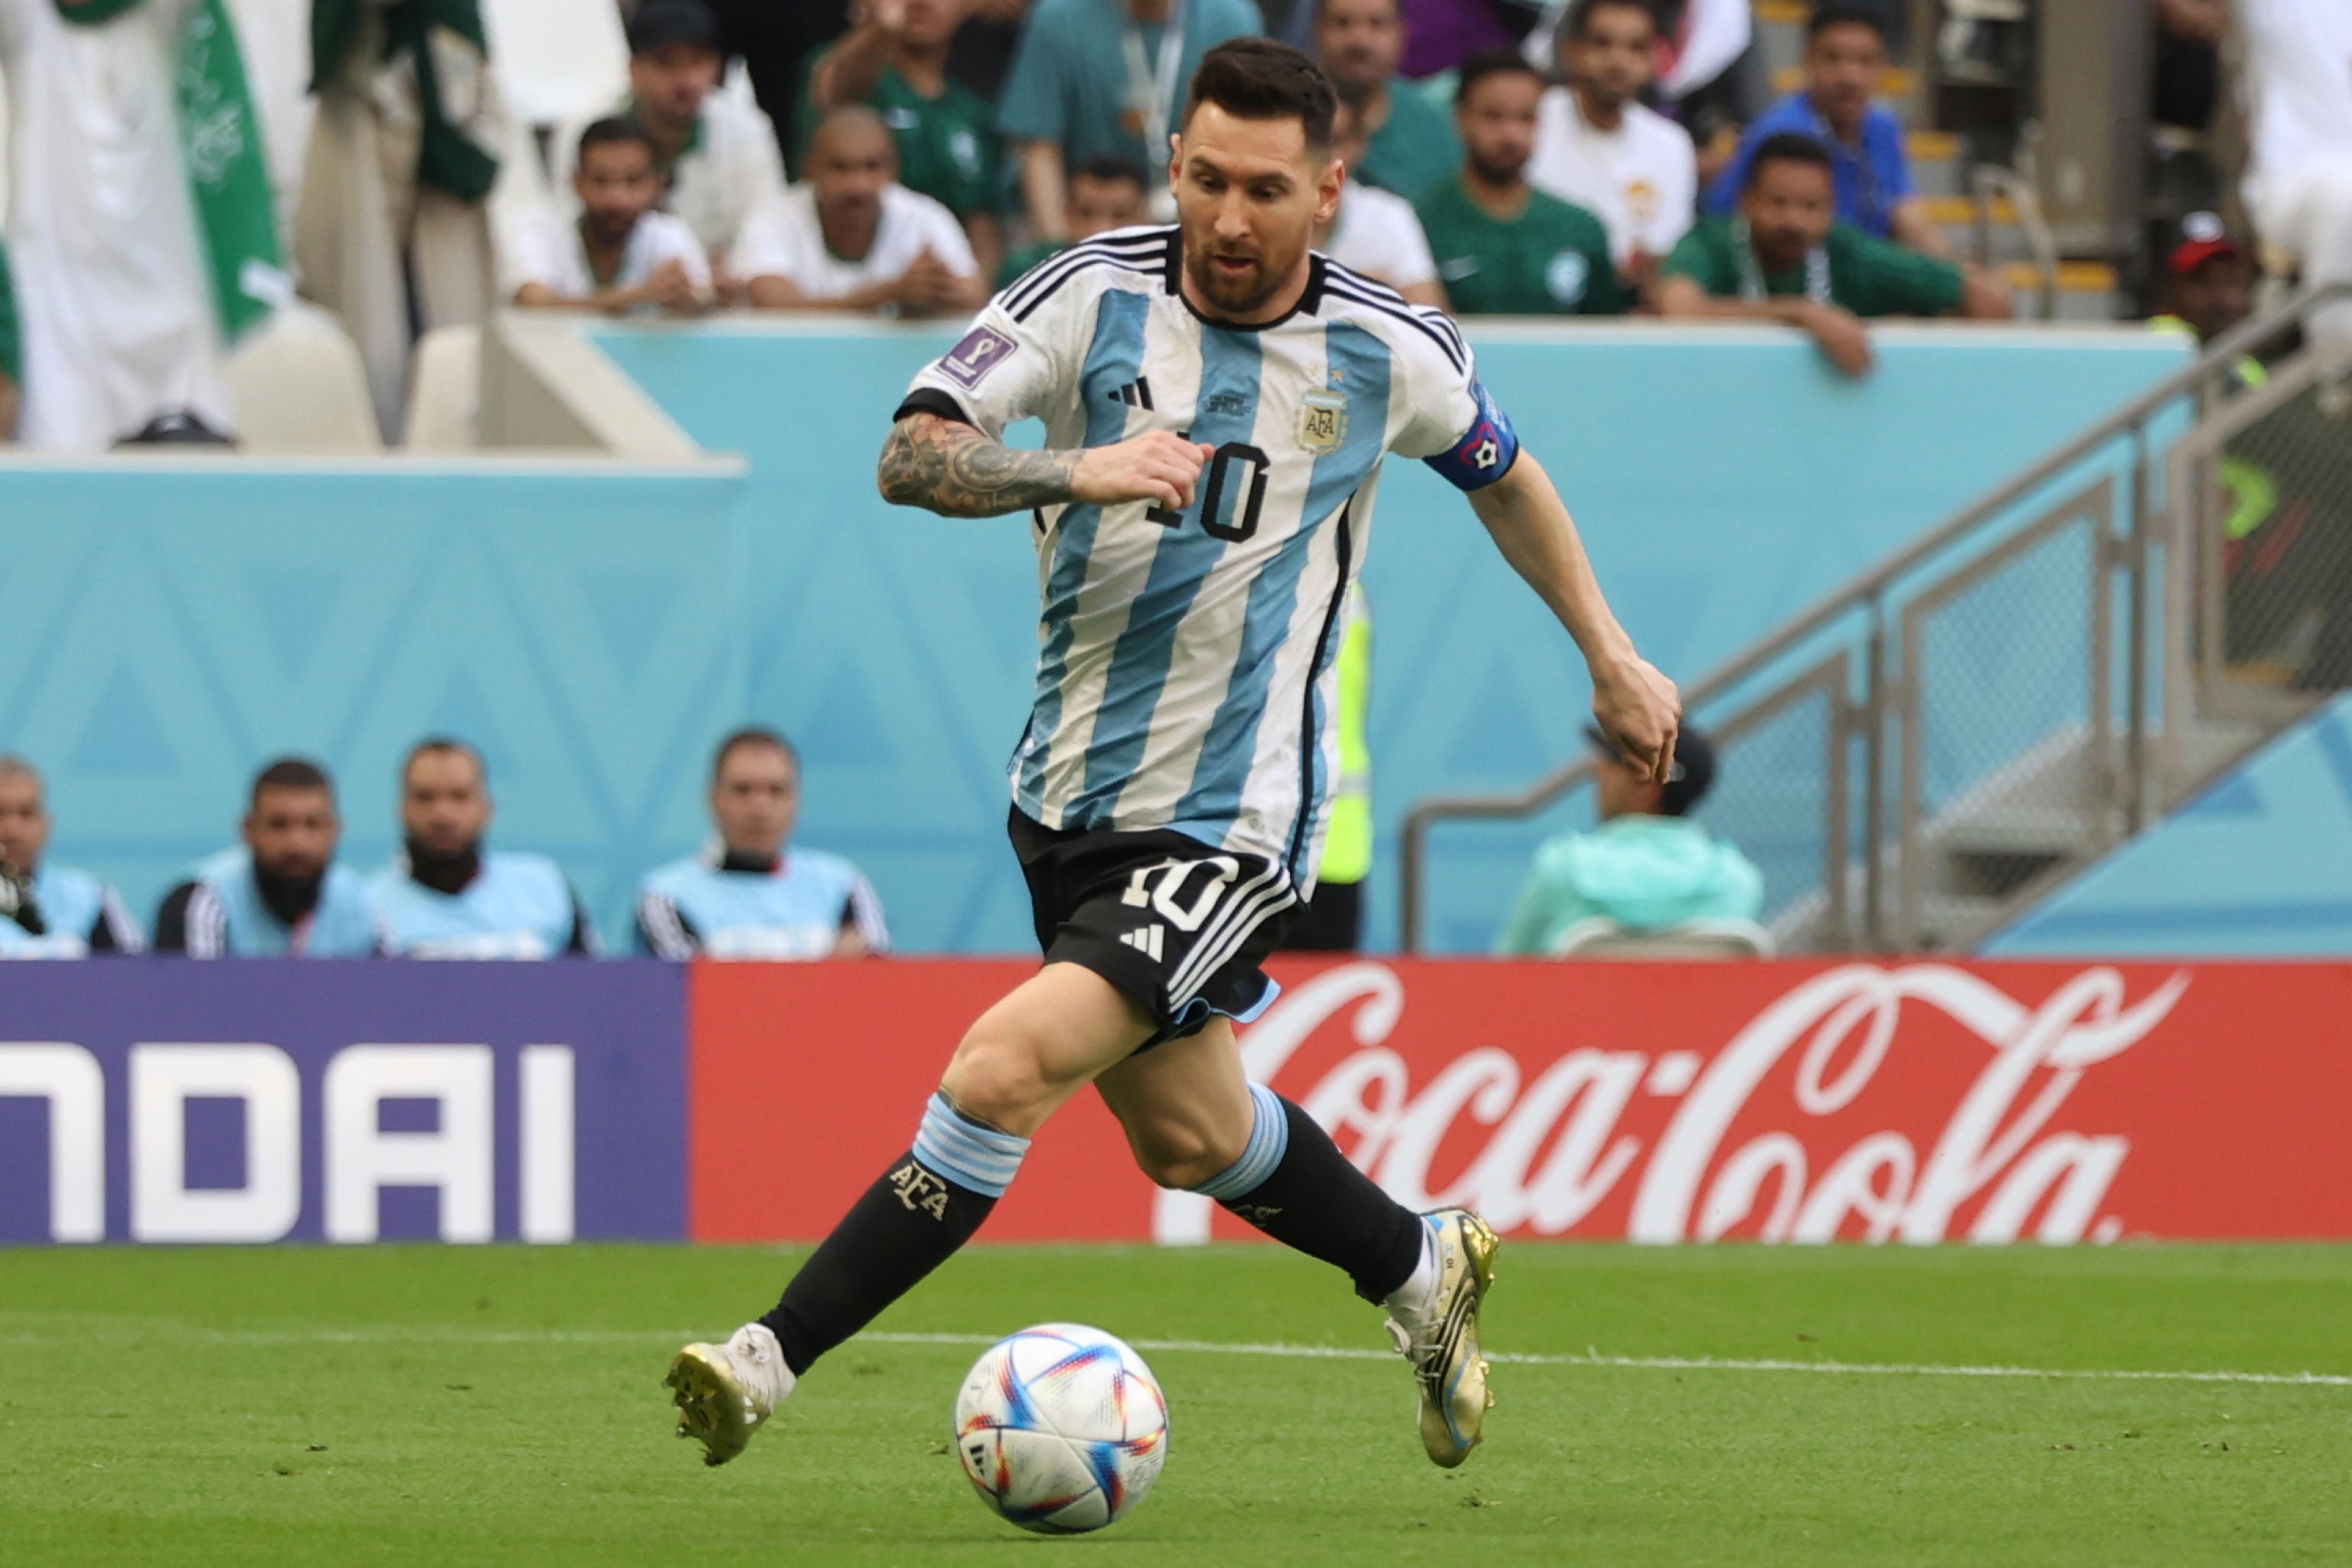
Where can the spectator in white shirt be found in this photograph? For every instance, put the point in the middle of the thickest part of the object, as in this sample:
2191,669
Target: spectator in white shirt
619,255
720,158
850,238
1376,232
2298,86
1597,147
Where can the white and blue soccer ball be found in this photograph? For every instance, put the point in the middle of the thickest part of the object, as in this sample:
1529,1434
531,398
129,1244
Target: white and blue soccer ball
1062,1428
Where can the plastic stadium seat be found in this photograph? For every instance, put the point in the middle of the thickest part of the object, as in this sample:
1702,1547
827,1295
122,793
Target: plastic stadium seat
558,60
300,387
445,391
1702,939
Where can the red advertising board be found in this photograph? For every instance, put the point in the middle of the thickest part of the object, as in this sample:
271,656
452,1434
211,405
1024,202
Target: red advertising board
1882,1100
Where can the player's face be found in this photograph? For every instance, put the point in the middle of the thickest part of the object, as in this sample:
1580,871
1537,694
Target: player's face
1360,43
1613,57
756,800
23,821
443,805
1841,71
617,183
851,166
670,83
1098,205
1788,209
292,832
1497,122
1248,196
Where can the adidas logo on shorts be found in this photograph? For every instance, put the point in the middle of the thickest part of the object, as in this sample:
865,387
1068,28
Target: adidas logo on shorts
1145,939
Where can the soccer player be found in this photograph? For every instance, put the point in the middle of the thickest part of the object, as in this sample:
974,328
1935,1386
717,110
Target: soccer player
1217,402
753,893
70,912
447,894
281,893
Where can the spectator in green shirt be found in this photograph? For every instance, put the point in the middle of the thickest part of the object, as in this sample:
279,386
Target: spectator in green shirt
1648,866
894,59
1411,146
1502,246
1784,257
1105,195
1104,78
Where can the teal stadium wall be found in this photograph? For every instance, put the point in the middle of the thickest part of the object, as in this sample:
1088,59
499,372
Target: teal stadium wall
2260,864
163,628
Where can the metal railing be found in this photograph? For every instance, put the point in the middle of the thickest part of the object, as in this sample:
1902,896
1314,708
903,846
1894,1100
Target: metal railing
1923,841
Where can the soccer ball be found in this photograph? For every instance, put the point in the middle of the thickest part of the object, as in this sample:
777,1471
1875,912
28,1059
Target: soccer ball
1062,1428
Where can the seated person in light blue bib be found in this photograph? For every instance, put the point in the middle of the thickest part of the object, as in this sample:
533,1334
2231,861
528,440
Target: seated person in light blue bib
749,894
280,894
446,897
48,911
1648,866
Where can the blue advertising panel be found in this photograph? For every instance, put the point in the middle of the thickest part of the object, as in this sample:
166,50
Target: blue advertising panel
292,1100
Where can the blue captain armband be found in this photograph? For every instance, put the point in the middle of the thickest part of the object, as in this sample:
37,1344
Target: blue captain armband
1486,452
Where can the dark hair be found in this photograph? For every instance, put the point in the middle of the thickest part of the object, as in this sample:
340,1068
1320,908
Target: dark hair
1579,14
658,24
613,131
1788,147
1829,15
1485,63
1257,78
292,773
751,735
439,745
1108,166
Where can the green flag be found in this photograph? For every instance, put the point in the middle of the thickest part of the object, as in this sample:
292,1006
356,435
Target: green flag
220,146
229,176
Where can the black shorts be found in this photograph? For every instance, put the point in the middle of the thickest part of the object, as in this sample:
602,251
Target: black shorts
1180,927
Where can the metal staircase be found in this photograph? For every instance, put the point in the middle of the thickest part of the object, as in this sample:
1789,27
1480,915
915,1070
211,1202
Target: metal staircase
1936,746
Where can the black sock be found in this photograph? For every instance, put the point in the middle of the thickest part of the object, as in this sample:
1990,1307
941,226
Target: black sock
1320,1204
904,1226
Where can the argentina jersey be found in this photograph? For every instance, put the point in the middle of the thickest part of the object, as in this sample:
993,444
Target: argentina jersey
722,906
1184,673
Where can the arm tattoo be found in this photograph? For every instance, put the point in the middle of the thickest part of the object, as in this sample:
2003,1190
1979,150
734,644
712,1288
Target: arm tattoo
953,469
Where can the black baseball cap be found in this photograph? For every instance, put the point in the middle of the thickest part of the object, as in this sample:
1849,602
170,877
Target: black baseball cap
1687,783
658,24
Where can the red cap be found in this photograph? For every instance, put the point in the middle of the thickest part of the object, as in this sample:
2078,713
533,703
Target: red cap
2191,254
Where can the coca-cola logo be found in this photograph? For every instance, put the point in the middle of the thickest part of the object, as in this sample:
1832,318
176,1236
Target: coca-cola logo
1761,1135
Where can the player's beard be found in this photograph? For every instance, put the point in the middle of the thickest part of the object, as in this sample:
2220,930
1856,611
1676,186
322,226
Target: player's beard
1241,293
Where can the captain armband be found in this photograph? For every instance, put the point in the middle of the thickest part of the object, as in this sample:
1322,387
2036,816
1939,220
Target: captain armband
1486,451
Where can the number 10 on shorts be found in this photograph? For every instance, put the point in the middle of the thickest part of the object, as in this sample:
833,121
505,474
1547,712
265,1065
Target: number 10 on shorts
1162,890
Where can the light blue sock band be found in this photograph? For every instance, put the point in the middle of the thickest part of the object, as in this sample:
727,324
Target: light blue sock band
952,1145
1269,1141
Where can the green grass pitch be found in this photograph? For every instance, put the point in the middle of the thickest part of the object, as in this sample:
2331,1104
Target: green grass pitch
502,1406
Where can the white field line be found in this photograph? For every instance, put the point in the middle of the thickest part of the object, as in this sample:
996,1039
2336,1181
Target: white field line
110,1332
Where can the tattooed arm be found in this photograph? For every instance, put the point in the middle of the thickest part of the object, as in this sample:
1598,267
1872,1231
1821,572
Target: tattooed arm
947,466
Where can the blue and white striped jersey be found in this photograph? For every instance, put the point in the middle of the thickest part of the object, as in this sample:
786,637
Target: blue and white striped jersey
1184,659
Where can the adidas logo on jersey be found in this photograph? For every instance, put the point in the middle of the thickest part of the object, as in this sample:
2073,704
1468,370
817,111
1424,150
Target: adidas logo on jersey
1136,393
1145,939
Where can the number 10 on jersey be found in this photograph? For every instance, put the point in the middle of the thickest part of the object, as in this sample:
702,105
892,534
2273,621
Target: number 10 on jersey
1236,463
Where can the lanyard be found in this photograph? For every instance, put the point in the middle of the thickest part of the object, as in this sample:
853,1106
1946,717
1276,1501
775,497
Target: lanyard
1151,90
1752,272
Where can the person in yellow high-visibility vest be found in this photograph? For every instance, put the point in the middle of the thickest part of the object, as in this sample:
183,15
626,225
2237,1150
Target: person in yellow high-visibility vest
1333,920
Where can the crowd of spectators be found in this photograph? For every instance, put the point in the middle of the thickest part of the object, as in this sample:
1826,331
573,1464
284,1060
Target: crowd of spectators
281,891
939,145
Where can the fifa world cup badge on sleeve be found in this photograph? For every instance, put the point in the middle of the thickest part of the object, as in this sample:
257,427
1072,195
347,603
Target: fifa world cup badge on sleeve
982,350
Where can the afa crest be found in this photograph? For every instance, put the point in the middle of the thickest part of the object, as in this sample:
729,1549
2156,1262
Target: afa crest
1323,421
